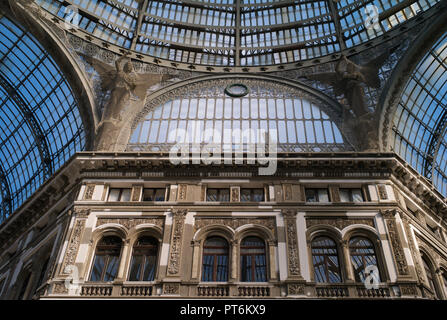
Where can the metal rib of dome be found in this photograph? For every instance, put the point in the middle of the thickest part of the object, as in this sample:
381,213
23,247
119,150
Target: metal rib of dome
40,123
235,33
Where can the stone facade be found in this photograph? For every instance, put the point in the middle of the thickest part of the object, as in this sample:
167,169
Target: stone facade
66,232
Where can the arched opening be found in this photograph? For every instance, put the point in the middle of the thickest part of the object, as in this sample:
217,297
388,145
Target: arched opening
364,259
143,265
215,261
106,260
325,260
253,260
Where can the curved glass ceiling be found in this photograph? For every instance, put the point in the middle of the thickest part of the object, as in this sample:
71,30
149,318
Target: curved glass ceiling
238,33
420,121
39,119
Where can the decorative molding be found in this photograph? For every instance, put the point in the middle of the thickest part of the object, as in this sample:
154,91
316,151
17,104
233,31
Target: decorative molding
59,288
81,212
234,223
182,191
129,223
73,245
171,288
89,190
396,244
408,290
383,194
292,243
338,222
176,241
235,194
295,289
417,266
136,192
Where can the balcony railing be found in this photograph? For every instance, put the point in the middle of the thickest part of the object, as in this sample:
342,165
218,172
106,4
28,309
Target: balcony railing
253,291
213,291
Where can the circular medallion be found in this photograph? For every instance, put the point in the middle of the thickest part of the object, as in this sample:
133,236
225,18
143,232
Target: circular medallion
236,90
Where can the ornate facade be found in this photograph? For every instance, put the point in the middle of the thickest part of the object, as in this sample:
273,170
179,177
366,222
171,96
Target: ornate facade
223,149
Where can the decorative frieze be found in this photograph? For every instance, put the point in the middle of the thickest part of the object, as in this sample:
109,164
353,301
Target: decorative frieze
171,288
89,190
129,223
73,245
412,246
292,243
396,243
176,241
383,194
339,222
235,223
294,289
182,191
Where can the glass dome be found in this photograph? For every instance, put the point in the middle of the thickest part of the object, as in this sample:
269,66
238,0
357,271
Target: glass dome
236,33
420,121
40,123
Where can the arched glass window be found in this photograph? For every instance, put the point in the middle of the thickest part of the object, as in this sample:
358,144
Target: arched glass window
429,272
144,259
362,255
106,262
325,260
215,260
253,260
209,116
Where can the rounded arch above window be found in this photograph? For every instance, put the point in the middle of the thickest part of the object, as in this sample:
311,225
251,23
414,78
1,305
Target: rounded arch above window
203,113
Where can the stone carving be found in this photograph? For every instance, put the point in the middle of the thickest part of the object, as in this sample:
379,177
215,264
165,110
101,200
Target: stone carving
287,192
59,288
292,243
408,290
176,241
339,222
136,193
182,191
295,289
171,288
383,195
235,223
124,84
129,223
397,248
348,80
412,246
81,212
89,189
73,245
235,196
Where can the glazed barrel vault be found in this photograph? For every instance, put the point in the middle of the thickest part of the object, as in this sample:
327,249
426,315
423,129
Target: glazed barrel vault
337,225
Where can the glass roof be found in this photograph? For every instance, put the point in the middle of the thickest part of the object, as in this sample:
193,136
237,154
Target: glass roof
420,121
39,119
238,33
295,123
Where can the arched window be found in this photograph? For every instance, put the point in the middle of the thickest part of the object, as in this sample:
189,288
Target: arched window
144,259
363,255
428,267
106,262
444,280
215,259
253,260
325,260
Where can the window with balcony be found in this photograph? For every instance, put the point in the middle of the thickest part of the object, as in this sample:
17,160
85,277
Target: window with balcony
220,195
253,260
325,260
215,260
317,195
351,195
363,256
106,261
144,259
